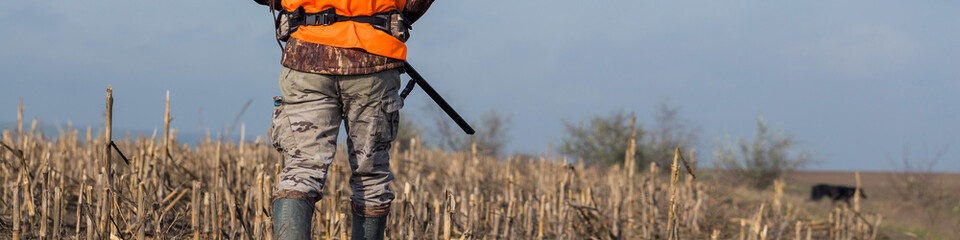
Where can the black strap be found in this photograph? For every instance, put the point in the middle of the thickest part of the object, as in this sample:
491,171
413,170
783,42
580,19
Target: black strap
380,21
276,20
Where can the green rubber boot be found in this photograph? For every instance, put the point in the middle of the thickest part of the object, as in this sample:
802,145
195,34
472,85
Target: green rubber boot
291,219
368,228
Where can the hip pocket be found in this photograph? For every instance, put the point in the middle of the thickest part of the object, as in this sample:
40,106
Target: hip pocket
280,132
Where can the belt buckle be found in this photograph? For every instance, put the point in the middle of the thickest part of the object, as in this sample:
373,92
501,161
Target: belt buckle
327,16
320,19
324,18
327,19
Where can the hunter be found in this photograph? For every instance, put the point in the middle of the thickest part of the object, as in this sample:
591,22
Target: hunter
341,63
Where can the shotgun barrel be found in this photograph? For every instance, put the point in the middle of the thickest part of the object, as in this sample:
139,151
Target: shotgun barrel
418,80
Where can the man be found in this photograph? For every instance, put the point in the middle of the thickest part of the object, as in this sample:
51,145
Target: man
341,65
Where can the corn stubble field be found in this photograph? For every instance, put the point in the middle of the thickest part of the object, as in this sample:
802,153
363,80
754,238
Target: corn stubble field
71,187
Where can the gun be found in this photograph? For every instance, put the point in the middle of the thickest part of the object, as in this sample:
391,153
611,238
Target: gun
418,80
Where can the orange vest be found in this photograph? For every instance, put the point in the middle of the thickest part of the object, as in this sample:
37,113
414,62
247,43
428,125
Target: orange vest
348,34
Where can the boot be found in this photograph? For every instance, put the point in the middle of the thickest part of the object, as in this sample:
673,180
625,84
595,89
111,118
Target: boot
368,228
291,219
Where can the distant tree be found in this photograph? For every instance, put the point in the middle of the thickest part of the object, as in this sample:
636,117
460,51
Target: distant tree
491,138
669,131
491,133
407,130
604,139
768,156
601,140
443,134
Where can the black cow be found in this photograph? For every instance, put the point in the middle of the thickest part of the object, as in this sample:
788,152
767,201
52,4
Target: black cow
834,192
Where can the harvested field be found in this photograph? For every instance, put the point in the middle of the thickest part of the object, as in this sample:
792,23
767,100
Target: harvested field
79,186
221,190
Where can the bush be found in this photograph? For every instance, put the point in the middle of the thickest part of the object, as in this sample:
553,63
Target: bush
916,181
769,156
599,140
668,132
603,140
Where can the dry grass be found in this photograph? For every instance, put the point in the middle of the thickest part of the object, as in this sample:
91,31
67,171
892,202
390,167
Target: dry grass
62,188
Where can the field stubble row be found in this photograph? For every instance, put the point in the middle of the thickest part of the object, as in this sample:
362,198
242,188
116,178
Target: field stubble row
63,187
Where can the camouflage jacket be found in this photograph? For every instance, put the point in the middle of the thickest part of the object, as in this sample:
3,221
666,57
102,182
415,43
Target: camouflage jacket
316,58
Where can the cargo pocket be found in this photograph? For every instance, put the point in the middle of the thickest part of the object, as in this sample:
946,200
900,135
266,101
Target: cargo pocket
391,118
279,132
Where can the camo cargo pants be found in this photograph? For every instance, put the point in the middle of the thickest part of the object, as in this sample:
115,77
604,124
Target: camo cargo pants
306,122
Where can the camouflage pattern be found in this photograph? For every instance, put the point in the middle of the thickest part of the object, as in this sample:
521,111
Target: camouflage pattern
306,123
415,9
399,27
317,58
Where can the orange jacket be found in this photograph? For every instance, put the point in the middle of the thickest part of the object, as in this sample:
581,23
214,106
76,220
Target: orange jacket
349,34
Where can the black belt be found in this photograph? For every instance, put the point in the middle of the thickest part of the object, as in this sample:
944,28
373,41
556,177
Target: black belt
379,21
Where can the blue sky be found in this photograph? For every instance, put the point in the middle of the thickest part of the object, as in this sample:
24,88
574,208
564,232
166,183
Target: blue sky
855,81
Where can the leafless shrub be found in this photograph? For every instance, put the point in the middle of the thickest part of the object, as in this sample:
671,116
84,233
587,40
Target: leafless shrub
670,130
490,138
915,181
768,156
